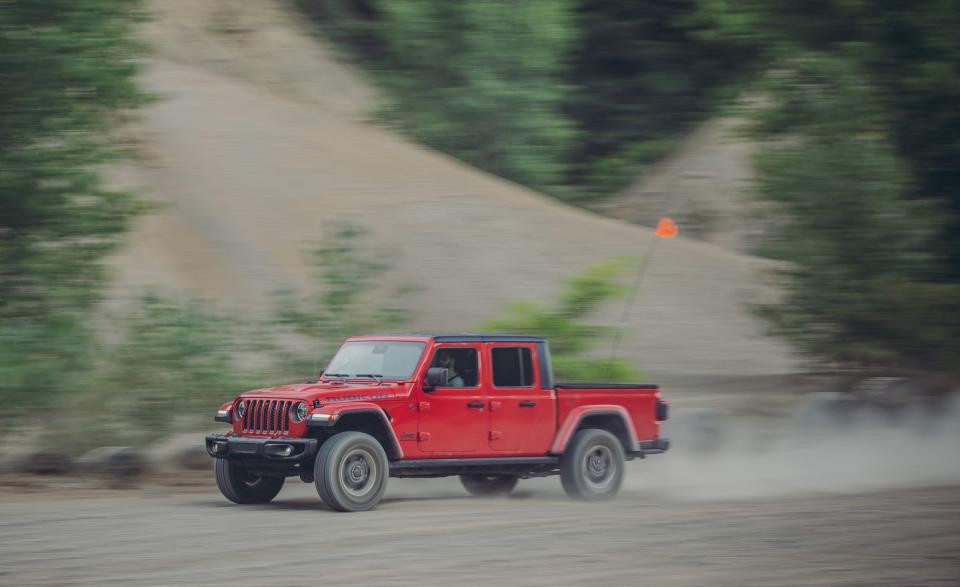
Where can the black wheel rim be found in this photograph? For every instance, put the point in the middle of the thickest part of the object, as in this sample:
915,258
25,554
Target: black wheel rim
358,473
250,480
599,468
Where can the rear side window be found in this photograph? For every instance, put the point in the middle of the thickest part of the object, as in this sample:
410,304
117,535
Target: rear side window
512,367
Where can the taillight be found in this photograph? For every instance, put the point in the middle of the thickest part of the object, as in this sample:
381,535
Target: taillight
663,409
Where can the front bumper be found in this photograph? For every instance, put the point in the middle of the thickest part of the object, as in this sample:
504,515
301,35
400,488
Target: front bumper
222,446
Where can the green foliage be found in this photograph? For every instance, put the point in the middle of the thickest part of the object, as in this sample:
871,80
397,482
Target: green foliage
42,361
569,97
348,277
478,80
170,365
863,172
174,358
573,339
856,245
67,74
907,55
165,364
68,67
642,73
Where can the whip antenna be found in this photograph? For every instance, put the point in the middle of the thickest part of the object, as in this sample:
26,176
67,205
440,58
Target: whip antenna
666,228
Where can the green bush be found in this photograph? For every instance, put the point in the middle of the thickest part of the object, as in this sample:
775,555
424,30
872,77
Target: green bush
574,341
42,362
164,365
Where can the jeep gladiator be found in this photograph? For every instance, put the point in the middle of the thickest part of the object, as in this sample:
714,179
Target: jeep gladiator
484,407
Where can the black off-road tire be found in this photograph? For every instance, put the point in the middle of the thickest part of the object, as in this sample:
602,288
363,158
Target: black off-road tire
239,486
593,465
351,472
488,485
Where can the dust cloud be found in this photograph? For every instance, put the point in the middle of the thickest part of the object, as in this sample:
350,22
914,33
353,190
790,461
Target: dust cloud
867,452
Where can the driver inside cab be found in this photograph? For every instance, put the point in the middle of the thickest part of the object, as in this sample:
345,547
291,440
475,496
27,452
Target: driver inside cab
447,361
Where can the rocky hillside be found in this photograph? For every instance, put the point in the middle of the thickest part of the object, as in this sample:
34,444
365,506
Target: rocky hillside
261,138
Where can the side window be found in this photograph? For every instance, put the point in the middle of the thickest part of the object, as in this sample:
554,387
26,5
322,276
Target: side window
461,365
512,367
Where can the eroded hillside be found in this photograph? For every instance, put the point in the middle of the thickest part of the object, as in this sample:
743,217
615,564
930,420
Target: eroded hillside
262,138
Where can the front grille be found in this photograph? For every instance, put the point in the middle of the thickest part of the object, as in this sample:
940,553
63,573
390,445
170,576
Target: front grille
267,416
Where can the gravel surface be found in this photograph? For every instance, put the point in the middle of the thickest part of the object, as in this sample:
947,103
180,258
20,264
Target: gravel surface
431,533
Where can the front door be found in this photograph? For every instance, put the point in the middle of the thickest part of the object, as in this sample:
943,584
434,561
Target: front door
453,418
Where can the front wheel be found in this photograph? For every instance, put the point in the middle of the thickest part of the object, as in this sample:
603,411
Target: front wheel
240,486
486,485
592,467
351,472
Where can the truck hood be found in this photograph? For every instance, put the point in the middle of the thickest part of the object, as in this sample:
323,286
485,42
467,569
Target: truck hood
329,393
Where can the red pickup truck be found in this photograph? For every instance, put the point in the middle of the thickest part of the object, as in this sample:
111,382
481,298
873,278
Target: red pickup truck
484,407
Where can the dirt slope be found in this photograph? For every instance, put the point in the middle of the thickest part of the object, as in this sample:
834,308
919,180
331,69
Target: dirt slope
260,140
705,183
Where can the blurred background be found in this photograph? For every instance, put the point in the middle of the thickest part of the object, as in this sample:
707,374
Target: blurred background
200,197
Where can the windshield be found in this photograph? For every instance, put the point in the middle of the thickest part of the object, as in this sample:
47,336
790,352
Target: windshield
390,360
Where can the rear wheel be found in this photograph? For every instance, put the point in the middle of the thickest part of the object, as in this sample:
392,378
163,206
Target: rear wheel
240,486
592,466
486,485
351,472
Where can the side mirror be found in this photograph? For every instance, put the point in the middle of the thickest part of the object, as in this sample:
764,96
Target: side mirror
436,377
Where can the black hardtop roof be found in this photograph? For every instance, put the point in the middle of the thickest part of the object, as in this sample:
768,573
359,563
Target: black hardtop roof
470,337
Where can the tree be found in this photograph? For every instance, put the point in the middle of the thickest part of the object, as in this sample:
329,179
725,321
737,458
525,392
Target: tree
844,227
908,55
641,73
570,97
478,80
68,69
67,73
863,254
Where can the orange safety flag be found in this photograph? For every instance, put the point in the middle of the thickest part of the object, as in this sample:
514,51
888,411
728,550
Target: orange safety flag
667,228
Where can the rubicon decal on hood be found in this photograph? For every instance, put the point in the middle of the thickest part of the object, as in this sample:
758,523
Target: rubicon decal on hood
354,398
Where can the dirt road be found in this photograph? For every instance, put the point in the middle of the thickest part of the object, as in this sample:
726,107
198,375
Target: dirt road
430,533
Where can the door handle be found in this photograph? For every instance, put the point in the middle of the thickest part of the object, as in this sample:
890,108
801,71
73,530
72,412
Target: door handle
527,404
474,404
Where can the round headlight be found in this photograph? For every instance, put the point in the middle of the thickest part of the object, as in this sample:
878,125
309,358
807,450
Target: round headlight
241,408
299,412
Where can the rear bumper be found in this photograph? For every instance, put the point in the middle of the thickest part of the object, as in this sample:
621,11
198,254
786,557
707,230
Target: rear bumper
221,446
653,447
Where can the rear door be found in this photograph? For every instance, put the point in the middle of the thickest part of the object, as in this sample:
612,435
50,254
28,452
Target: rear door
522,415
453,419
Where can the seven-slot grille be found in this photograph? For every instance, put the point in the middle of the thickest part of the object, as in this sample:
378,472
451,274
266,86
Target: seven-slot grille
267,416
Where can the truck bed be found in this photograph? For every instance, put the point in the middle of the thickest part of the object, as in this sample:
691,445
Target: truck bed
563,385
640,400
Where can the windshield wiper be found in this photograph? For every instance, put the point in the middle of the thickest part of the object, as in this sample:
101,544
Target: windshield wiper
375,376
336,375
